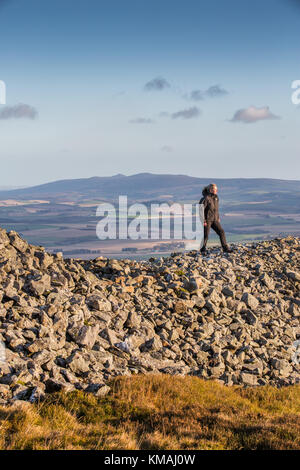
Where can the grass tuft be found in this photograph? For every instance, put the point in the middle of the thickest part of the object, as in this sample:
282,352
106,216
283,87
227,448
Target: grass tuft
158,412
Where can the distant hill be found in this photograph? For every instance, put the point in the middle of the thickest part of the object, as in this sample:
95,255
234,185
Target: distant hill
270,194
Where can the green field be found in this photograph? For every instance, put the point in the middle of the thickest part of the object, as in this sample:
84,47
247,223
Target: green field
73,226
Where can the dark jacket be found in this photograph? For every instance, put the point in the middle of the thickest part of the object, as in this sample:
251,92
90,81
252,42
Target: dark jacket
211,205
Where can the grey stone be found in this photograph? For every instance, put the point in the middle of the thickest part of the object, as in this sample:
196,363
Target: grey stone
248,379
100,390
77,363
250,300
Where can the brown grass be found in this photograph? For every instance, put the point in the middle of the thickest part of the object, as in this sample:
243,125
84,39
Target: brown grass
158,412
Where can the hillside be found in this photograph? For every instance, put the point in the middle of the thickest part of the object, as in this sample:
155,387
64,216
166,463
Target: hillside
70,324
157,413
184,352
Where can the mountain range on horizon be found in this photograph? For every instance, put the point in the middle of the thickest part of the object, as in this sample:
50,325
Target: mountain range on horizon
267,192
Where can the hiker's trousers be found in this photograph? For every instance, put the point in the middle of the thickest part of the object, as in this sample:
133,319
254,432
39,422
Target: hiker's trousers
217,227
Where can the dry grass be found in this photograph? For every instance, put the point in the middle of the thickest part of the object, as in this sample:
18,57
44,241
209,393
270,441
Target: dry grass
158,412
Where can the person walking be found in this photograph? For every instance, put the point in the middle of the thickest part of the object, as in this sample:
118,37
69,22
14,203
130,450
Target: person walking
210,201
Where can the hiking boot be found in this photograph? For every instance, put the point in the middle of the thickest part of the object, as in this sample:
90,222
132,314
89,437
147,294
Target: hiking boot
227,249
203,251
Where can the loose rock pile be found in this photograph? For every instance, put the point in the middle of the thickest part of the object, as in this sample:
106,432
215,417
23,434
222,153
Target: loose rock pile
73,324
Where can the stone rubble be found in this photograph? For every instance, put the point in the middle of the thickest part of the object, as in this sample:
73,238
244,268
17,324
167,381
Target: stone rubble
75,324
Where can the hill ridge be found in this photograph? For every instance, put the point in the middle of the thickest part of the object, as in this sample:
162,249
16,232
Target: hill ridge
149,185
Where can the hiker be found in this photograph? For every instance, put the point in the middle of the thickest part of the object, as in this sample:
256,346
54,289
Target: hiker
210,201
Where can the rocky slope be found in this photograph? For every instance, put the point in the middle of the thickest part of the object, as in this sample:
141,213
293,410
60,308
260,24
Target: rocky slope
71,324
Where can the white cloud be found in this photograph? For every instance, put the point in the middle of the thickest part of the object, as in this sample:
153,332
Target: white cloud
253,114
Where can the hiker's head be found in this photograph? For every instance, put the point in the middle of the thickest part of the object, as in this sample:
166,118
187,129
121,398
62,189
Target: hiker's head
213,188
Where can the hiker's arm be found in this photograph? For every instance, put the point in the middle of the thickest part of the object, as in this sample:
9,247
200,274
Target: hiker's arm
204,209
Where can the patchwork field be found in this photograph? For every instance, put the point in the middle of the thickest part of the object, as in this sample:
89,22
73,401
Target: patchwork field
62,215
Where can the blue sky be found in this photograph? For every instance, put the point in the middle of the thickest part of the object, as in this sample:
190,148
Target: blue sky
81,67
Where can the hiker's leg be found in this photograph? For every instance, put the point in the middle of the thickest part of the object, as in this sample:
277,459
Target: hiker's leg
206,233
217,227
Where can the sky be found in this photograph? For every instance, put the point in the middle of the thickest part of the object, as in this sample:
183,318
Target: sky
96,88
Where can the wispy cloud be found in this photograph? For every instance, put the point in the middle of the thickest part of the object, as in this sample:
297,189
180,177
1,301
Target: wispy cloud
157,84
214,91
253,114
167,148
187,113
196,95
141,121
19,111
